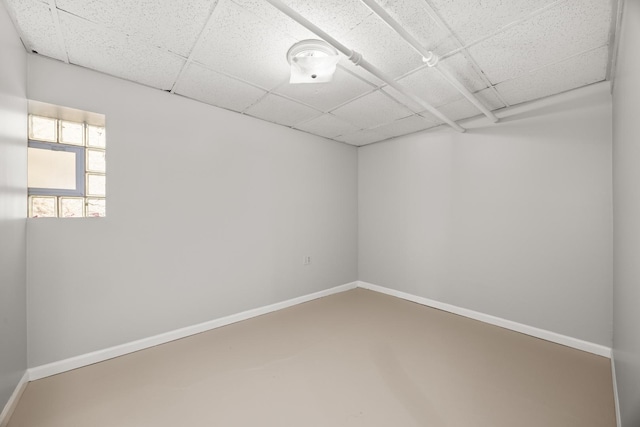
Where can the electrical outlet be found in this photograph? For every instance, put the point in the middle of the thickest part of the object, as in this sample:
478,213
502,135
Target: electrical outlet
306,260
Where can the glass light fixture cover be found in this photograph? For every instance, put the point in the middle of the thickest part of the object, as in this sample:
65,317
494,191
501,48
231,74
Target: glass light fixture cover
312,61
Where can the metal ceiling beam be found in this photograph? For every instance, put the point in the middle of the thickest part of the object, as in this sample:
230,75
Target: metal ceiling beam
429,57
357,59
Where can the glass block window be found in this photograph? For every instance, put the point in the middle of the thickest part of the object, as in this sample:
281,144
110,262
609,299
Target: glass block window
66,169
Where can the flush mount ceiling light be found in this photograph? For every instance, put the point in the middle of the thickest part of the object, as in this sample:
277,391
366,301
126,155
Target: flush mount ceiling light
312,61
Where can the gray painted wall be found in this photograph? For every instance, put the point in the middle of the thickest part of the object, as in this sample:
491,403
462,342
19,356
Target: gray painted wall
626,205
209,213
512,220
13,196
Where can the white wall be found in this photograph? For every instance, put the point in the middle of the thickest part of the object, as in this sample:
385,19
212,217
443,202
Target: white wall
626,199
511,220
209,213
13,196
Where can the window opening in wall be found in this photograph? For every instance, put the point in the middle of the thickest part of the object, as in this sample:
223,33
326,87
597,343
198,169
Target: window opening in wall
66,168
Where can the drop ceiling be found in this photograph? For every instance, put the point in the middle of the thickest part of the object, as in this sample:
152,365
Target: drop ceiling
232,54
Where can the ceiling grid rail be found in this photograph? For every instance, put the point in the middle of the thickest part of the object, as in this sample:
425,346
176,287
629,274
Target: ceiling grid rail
60,36
463,49
429,57
195,47
358,60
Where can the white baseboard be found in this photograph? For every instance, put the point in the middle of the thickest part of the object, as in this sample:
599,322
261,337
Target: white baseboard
130,347
615,390
54,368
590,347
13,400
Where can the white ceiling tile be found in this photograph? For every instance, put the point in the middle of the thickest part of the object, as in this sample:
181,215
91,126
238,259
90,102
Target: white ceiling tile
402,99
415,18
37,27
573,27
472,19
242,45
581,70
327,125
372,110
94,47
463,109
362,137
168,24
405,126
280,110
382,47
429,84
325,96
336,17
217,89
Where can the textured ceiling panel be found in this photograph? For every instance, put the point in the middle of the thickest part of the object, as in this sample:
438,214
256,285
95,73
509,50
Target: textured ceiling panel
217,89
382,47
362,137
372,110
94,47
404,126
430,85
237,54
37,27
164,23
415,18
336,17
472,19
570,28
242,45
463,109
589,67
403,99
280,110
325,96
328,126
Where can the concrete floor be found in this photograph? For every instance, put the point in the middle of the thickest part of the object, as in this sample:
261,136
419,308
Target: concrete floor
358,358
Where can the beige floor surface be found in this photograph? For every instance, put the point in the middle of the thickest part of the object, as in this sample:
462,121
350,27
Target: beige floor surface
357,358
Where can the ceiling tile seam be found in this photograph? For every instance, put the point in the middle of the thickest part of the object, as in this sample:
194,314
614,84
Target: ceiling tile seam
400,136
614,38
256,102
204,103
379,125
320,136
506,27
305,121
567,58
484,77
297,101
135,82
327,111
294,101
231,76
195,46
56,20
259,118
533,70
357,75
129,37
431,11
402,118
332,109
